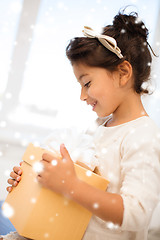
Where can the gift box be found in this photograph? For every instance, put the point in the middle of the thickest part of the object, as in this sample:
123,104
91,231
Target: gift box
39,213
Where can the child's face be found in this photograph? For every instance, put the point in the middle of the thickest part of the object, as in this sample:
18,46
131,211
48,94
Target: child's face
99,88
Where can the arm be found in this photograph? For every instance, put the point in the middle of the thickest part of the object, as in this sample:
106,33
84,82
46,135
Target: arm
61,178
107,206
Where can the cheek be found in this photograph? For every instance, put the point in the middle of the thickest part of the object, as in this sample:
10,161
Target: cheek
95,92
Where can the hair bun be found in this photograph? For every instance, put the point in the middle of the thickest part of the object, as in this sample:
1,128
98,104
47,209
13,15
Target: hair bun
131,24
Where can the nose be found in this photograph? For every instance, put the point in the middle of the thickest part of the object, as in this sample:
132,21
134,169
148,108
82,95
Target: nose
83,95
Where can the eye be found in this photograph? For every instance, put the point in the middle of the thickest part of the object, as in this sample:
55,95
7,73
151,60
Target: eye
87,84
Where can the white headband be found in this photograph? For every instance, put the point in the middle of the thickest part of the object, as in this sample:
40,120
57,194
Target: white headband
107,41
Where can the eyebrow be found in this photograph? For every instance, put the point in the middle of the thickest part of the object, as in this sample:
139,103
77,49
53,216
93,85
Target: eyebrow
83,75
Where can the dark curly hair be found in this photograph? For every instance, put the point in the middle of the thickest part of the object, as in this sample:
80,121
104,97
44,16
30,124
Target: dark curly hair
131,35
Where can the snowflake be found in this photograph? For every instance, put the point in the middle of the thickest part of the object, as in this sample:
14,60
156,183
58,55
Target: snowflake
17,135
95,205
54,162
38,167
92,10
68,172
35,180
7,210
157,94
32,26
75,154
46,235
64,160
24,142
3,124
16,7
104,150
32,157
144,180
111,225
36,144
110,176
8,95
154,75
33,135
123,31
63,135
88,173
66,202
51,219
158,135
132,131
7,173
138,20
33,200
135,146
15,43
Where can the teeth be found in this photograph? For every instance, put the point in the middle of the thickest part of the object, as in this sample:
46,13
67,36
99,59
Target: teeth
93,104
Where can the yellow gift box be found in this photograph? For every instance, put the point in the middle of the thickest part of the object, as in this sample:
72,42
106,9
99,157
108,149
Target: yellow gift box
39,213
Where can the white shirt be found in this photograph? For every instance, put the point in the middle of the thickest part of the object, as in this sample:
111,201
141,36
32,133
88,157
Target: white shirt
129,157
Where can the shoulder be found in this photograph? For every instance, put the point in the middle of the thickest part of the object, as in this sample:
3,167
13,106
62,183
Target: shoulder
144,132
143,128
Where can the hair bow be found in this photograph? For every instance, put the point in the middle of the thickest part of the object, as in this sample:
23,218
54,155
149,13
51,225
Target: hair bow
107,41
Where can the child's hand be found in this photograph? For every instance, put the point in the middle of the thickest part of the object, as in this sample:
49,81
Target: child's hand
58,174
15,178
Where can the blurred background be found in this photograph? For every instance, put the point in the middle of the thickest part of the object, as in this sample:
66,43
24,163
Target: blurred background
38,91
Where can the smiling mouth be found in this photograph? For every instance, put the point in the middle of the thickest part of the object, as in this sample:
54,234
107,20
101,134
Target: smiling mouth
93,105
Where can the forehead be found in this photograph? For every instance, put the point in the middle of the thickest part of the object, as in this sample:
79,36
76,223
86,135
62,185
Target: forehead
80,70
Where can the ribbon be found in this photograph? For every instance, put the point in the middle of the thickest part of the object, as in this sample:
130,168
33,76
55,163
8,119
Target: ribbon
107,41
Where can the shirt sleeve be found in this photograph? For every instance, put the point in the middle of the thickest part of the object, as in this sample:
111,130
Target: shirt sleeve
140,176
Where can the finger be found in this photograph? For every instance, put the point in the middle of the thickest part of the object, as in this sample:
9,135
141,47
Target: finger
39,178
64,152
46,165
20,163
15,176
12,182
9,189
49,157
17,170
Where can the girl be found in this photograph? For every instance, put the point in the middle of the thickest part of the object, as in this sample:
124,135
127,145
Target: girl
112,68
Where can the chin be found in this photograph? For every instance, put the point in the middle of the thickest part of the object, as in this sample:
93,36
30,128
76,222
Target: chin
101,115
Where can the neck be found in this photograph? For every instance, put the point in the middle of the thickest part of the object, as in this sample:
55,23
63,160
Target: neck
130,109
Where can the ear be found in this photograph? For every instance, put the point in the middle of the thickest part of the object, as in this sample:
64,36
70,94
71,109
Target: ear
125,73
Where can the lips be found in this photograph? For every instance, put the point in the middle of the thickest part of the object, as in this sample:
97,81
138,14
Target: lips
93,105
